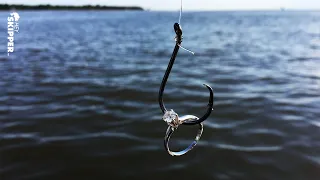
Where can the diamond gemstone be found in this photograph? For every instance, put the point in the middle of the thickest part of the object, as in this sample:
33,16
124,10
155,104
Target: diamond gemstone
170,116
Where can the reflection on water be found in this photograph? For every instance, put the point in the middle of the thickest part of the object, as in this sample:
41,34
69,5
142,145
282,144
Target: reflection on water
78,97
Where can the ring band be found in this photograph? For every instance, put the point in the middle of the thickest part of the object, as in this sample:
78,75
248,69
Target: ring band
171,129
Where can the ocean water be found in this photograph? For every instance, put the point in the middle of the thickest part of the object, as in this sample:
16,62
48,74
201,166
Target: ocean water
78,97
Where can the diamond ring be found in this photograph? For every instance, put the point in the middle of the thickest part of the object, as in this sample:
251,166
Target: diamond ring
173,120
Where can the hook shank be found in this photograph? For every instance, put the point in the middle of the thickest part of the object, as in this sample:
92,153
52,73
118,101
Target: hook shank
166,76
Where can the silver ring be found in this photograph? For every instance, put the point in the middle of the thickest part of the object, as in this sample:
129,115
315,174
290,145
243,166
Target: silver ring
174,121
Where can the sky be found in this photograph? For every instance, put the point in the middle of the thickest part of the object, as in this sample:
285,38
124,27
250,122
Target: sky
187,4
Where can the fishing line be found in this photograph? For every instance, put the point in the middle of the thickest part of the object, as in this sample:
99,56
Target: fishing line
180,25
180,12
186,49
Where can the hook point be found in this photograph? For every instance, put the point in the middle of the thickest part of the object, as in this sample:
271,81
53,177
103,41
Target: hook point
206,85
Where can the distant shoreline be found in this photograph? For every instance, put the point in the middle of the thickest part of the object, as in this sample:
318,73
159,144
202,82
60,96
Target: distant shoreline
4,7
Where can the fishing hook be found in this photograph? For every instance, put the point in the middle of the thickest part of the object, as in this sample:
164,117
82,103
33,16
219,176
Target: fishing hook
178,39
172,118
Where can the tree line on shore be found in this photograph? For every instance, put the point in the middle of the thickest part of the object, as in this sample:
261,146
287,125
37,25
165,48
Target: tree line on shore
57,7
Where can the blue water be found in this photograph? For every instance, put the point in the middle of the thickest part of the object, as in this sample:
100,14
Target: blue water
78,97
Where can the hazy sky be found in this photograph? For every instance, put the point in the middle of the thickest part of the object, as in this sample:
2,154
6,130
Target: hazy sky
187,4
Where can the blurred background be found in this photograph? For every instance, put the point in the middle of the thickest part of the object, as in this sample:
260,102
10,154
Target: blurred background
78,96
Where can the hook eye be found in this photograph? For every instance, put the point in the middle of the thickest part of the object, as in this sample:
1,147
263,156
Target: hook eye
177,29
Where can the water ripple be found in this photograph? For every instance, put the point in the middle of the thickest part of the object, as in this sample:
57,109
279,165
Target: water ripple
79,97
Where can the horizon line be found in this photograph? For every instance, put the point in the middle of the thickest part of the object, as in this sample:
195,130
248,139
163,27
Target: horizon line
172,10
292,9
